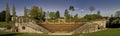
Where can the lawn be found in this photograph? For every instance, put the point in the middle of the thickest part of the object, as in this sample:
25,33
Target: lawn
107,32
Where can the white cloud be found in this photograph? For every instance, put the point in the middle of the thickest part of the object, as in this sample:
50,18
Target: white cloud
76,8
82,10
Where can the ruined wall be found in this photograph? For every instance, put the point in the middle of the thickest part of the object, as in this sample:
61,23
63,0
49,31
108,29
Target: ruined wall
91,27
26,29
27,25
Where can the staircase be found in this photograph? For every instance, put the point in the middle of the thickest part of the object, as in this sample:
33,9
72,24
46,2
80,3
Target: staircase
35,27
86,28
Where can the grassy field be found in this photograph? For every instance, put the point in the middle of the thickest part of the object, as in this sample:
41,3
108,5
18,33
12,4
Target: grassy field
107,32
26,34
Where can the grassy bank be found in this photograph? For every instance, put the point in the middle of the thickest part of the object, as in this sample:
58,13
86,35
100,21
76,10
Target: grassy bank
107,32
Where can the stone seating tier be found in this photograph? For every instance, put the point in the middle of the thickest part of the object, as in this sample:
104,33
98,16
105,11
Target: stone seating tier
61,27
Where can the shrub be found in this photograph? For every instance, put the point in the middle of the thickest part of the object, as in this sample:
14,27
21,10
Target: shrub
92,17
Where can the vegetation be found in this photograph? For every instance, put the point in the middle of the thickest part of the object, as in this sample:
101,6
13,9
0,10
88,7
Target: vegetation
14,14
37,13
2,16
114,20
5,25
98,12
76,17
107,32
92,8
90,17
117,14
25,12
57,14
7,13
71,8
67,15
52,15
34,12
41,14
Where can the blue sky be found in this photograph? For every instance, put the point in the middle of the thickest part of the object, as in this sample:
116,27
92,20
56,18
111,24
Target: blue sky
107,7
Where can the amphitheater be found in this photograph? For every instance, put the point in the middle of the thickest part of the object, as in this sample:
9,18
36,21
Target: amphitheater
25,25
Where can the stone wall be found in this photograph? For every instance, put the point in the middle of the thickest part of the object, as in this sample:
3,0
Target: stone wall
91,27
26,29
27,25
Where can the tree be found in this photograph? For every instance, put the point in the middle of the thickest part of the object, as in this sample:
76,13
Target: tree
2,16
92,8
68,17
44,16
7,13
52,15
98,12
34,12
14,13
57,14
25,11
41,14
66,13
117,14
111,15
92,17
76,17
71,8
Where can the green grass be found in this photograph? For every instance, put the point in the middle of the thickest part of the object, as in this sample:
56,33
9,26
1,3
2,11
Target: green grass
107,32
25,34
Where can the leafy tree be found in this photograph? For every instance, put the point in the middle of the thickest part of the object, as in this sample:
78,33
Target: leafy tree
57,14
2,16
41,13
14,13
66,13
52,15
71,8
111,15
25,11
92,17
76,17
117,14
68,17
44,14
98,12
7,13
34,12
92,8
37,13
